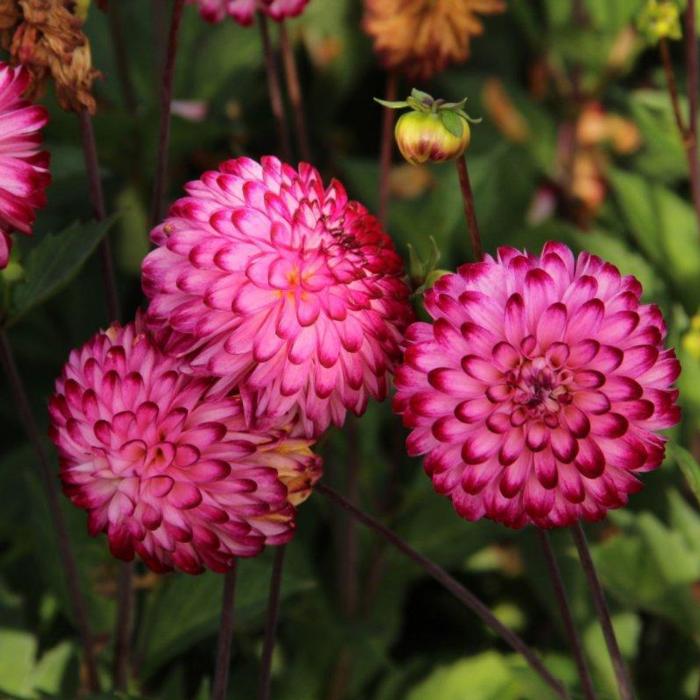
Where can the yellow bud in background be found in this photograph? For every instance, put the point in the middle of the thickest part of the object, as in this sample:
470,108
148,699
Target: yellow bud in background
81,9
691,340
660,19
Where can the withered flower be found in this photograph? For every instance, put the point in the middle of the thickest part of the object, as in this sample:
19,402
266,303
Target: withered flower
422,37
46,36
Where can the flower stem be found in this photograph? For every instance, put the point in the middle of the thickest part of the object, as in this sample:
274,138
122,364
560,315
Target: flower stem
124,584
452,585
387,147
166,97
273,608
693,70
122,634
672,87
274,88
70,569
469,208
223,650
348,548
296,96
567,618
687,131
623,681
121,56
97,200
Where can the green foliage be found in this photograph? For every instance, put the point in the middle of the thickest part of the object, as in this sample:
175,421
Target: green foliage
53,263
530,76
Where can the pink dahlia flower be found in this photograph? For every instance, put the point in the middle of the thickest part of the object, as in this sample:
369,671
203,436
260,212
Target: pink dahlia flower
24,173
538,391
243,11
165,471
282,288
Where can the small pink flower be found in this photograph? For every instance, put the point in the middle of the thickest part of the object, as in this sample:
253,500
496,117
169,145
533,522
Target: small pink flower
243,11
538,391
163,469
281,287
24,173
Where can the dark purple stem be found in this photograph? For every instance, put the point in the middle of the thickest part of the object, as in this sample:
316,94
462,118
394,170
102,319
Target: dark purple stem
274,88
387,147
273,608
624,683
693,70
223,650
122,634
166,97
452,585
124,585
349,546
92,166
567,618
469,208
296,96
70,569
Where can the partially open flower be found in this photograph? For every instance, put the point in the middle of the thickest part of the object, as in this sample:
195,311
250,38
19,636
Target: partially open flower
433,131
424,137
24,173
282,287
422,37
48,39
538,391
166,470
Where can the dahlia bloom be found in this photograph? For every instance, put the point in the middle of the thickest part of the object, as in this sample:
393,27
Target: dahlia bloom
165,470
280,287
24,173
538,391
243,11
422,37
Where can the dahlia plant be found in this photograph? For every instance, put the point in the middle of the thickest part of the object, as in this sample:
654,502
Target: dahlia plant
283,357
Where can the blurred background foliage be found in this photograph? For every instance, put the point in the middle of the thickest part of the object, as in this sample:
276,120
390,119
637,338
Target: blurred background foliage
578,143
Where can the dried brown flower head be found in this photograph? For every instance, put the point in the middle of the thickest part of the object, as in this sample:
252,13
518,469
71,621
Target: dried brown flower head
47,37
422,37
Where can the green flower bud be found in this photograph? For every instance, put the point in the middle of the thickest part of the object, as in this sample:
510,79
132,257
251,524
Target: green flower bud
433,131
691,340
660,19
423,137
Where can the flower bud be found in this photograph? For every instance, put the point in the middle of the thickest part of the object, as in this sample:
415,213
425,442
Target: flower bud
423,136
660,19
691,340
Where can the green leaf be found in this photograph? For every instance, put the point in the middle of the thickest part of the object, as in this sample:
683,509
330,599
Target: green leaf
452,122
391,104
16,661
652,568
688,466
53,263
197,600
627,628
666,228
484,677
